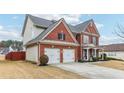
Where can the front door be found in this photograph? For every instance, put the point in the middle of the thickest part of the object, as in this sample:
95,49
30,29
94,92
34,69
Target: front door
84,54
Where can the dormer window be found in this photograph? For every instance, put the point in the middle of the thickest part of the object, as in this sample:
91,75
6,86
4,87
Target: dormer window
32,33
61,36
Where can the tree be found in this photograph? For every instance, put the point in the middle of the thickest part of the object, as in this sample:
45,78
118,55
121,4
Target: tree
120,31
14,43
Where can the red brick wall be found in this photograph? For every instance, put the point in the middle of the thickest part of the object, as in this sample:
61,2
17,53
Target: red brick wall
15,56
43,46
60,28
91,29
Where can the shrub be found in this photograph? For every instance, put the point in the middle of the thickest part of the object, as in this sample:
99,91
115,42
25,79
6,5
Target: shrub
80,60
104,56
44,60
91,59
110,58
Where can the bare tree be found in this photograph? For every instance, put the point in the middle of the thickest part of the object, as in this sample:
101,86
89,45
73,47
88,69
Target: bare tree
120,31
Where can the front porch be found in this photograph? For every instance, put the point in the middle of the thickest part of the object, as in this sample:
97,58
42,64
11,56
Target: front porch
88,53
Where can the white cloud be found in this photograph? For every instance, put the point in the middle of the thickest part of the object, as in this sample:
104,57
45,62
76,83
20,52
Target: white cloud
99,25
13,35
70,18
15,17
1,27
7,33
104,40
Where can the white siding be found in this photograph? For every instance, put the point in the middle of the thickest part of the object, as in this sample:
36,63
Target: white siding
37,31
30,31
32,53
118,55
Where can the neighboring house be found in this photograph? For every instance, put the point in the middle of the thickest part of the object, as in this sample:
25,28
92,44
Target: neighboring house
113,50
60,41
12,48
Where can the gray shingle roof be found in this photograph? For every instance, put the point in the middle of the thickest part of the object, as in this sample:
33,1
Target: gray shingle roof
40,36
49,24
113,47
40,21
80,27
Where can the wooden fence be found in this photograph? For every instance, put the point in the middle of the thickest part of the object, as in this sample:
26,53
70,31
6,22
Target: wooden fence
15,56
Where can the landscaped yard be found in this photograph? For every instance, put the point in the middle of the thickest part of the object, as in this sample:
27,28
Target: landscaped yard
112,64
23,70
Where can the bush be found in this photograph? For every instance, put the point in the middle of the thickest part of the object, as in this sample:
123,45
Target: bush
44,60
91,59
104,56
94,59
110,58
80,60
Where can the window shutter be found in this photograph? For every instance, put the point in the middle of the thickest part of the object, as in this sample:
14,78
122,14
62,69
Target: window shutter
63,36
59,36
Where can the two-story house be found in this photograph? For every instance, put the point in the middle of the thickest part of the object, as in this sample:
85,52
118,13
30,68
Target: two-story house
60,41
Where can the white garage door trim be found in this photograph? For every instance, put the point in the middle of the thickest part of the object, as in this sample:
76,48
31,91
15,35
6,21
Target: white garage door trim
32,53
53,54
68,55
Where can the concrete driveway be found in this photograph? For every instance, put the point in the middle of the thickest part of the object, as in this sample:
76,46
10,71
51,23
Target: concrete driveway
92,71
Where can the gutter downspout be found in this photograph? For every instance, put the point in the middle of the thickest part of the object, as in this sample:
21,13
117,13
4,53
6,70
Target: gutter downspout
38,43
81,45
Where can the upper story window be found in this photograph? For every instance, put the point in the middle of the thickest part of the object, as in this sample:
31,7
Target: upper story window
61,36
76,37
94,41
33,34
86,39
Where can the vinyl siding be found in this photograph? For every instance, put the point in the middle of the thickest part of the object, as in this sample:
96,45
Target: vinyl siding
32,53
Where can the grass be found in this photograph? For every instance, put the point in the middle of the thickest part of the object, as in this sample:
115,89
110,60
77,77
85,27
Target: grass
115,64
2,57
27,70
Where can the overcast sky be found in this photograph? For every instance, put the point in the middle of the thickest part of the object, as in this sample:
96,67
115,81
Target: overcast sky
11,25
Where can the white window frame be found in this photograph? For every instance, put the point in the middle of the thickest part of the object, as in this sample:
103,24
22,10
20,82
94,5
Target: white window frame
33,34
86,39
94,40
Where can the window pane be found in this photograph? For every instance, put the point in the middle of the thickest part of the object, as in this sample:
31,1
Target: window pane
63,36
86,39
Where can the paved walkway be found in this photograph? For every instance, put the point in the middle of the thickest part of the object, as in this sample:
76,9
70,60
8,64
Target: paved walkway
92,71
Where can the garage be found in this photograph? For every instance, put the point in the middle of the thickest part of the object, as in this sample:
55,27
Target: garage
68,55
53,54
32,53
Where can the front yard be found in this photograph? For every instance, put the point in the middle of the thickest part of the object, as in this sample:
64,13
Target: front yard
112,64
26,70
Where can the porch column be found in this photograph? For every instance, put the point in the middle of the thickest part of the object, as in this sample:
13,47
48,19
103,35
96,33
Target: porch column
81,41
95,52
87,54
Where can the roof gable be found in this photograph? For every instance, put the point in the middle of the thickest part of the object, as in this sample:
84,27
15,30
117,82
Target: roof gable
65,25
45,33
91,28
61,28
40,22
83,26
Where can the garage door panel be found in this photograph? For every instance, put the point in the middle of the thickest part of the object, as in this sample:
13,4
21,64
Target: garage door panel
68,55
53,54
32,54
